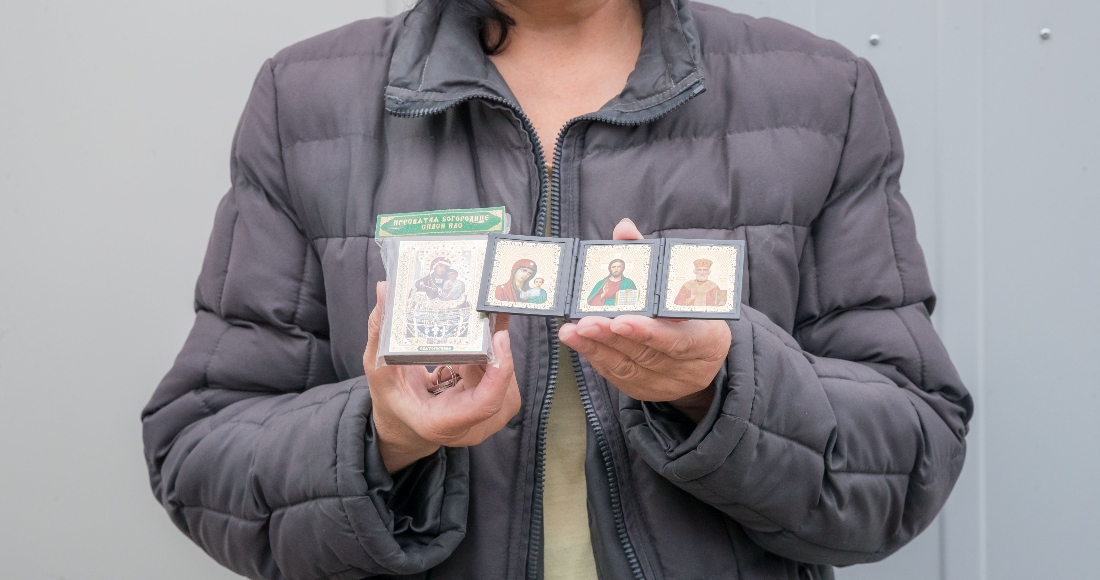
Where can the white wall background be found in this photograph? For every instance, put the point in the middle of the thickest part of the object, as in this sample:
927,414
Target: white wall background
115,123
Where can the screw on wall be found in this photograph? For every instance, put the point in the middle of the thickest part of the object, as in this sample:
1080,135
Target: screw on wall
875,39
1045,34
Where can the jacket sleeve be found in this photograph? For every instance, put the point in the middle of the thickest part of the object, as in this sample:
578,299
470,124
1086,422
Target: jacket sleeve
254,447
839,444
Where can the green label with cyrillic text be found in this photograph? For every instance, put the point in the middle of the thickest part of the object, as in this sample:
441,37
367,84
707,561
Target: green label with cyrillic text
451,222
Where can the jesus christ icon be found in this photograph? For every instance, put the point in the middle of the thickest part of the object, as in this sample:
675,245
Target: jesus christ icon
606,292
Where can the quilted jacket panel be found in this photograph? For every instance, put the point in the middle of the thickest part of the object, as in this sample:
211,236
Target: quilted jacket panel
838,430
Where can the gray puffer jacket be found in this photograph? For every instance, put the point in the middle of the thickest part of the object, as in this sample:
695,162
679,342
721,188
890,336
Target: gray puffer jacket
838,429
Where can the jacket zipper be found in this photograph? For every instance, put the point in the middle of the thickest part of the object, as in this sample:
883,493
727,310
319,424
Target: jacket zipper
586,398
547,189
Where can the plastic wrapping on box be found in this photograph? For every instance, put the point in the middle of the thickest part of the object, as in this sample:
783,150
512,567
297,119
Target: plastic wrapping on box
430,314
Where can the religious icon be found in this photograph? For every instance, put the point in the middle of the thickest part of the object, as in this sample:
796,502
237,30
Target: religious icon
517,287
701,291
614,288
527,275
536,295
431,315
616,277
701,279
441,282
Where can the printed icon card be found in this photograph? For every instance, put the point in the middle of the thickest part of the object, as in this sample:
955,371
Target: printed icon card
527,275
701,279
615,277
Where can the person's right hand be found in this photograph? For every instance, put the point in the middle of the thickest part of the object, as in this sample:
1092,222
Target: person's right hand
411,423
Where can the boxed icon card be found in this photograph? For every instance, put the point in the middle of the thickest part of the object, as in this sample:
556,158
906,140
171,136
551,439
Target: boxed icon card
431,311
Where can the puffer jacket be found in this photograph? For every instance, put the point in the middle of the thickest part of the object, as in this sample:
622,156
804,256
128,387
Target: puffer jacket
838,429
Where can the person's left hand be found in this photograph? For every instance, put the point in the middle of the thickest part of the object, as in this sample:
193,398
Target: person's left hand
653,359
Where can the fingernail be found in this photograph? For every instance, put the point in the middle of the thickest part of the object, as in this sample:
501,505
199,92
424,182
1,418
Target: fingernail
623,330
628,221
506,342
588,331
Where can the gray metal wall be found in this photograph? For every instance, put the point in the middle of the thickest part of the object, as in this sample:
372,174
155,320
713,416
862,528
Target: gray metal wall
116,118
1002,135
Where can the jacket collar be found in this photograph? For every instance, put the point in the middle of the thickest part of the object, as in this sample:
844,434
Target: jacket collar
438,63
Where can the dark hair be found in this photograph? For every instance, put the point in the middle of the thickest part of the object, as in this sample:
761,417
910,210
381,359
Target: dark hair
492,23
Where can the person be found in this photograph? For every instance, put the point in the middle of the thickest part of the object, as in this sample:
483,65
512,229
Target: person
453,288
702,291
519,282
825,427
606,291
434,283
536,295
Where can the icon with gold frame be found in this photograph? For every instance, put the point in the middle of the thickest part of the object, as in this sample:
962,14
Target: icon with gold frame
615,278
701,279
431,309
527,275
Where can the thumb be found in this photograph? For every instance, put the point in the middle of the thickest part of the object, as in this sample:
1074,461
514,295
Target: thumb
374,327
626,230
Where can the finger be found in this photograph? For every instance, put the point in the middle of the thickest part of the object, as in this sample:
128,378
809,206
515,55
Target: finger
388,378
501,322
628,376
690,339
626,230
479,401
568,335
471,374
468,377
402,389
610,362
688,371
490,390
640,353
511,406
602,357
374,328
471,377
440,375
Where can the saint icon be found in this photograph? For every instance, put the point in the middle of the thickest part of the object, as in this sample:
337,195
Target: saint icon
701,291
702,279
430,311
